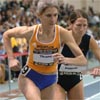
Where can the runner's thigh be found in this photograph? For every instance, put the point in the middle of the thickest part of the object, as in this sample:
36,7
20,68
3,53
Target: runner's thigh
28,88
79,95
48,93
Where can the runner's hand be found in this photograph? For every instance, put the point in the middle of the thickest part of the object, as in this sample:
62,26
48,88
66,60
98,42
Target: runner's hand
14,64
95,72
59,58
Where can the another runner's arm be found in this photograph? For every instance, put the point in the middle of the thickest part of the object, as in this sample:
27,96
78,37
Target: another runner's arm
67,38
17,32
95,48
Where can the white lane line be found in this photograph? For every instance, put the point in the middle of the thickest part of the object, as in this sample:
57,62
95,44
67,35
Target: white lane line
94,96
91,83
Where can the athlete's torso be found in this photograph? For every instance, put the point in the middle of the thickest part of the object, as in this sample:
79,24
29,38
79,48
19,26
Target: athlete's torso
71,79
84,46
40,54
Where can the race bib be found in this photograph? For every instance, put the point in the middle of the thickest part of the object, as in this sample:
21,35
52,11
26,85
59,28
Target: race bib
43,59
72,68
42,55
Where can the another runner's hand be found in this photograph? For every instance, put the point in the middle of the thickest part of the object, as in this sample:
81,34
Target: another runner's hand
59,58
95,72
14,64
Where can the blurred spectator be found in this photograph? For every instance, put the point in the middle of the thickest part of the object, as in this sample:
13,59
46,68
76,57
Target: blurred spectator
23,48
2,52
14,45
3,73
15,50
1,32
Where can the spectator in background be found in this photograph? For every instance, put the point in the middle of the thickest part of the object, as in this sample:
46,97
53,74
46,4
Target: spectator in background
15,47
3,66
1,32
23,48
4,76
2,51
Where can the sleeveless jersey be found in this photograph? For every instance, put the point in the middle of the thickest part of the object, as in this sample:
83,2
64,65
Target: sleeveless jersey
40,54
84,46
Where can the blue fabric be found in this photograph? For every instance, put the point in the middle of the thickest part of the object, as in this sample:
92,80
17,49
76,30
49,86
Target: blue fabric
41,81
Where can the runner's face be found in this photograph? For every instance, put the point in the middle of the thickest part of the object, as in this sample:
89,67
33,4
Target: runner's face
80,26
49,16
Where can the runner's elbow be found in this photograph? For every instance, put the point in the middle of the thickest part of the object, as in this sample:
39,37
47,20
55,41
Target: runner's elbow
84,61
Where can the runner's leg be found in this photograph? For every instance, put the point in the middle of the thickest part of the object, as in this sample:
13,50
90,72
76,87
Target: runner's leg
29,89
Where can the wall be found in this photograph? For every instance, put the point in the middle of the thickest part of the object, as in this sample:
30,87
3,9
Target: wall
84,3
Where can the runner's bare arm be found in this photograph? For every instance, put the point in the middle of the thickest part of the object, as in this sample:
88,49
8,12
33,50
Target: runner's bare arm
16,32
67,38
96,51
95,48
95,72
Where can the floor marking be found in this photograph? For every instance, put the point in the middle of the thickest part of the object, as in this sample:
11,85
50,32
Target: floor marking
94,96
90,83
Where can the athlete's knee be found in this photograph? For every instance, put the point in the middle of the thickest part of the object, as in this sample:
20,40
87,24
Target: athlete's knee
31,96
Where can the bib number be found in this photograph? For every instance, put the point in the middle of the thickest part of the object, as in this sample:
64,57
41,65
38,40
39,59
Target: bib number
72,68
43,59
